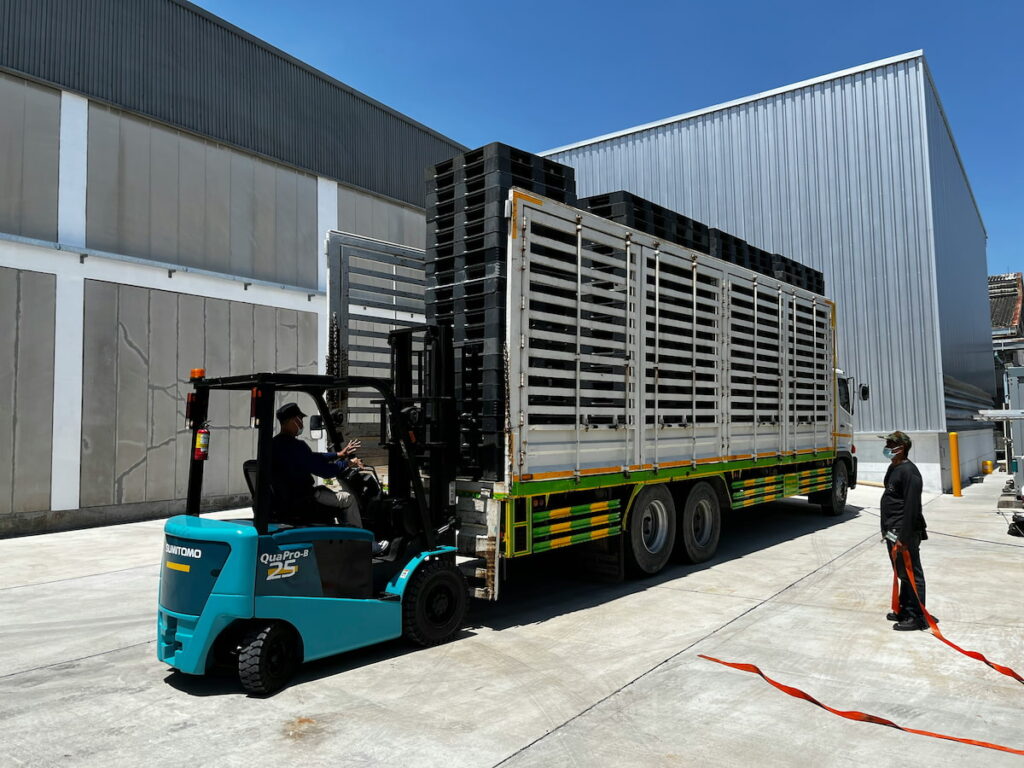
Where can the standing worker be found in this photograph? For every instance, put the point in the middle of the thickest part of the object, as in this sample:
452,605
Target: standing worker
903,525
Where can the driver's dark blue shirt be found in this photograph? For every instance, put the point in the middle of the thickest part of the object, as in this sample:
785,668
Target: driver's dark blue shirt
293,466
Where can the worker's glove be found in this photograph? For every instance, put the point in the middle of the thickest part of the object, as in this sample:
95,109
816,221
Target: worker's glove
890,536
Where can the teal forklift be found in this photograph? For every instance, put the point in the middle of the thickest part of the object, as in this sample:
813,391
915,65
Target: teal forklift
261,596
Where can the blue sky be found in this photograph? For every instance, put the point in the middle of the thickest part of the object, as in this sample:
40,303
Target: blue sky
543,74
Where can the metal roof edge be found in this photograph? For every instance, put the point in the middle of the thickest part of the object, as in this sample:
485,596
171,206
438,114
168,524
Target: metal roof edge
736,102
952,141
199,11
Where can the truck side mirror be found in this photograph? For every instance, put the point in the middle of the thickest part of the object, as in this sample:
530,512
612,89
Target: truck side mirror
316,426
865,391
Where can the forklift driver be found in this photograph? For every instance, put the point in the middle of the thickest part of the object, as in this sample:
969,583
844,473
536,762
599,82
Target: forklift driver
294,464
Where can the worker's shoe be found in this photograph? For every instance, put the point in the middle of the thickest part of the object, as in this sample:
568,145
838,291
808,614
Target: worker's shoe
910,623
380,548
893,616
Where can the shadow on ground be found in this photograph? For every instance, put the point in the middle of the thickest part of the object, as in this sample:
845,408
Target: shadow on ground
544,586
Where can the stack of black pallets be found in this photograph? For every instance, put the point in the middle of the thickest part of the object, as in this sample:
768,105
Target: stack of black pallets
637,213
467,231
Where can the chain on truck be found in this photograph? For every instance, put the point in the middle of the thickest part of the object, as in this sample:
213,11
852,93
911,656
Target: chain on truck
584,379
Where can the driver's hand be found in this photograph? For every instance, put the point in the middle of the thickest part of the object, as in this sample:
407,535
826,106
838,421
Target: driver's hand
357,463
352,447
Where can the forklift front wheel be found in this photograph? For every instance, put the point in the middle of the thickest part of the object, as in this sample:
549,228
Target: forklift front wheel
267,657
434,604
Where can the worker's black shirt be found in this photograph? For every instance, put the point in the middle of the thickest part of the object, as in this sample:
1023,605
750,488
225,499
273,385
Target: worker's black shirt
901,501
294,464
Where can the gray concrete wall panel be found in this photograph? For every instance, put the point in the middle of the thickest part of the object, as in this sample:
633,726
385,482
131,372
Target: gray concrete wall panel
161,194
29,156
264,347
835,175
99,394
27,344
164,195
104,171
285,231
192,213
371,216
33,421
163,396
218,363
216,253
242,218
191,354
242,437
308,242
133,188
264,221
8,347
961,267
307,341
132,394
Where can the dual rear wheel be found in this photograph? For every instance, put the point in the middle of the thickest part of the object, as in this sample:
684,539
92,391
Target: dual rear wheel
656,528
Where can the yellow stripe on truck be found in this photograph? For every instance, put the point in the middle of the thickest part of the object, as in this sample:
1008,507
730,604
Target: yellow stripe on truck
179,567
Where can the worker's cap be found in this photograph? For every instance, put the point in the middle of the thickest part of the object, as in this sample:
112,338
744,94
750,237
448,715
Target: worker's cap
289,411
900,438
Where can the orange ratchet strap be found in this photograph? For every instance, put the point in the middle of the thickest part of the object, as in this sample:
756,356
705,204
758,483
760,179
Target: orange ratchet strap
859,716
898,548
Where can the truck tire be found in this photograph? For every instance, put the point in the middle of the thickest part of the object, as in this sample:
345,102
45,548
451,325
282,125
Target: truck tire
833,502
434,603
652,530
701,523
267,657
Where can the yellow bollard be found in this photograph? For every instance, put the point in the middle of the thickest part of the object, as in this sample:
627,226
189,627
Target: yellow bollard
987,467
954,459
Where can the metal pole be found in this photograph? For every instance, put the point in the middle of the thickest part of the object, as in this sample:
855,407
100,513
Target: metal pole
954,458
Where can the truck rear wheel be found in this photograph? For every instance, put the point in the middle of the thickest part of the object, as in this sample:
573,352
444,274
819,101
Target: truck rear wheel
701,523
434,603
267,657
652,530
833,502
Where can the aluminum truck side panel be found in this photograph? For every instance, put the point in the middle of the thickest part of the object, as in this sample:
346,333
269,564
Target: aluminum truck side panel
630,355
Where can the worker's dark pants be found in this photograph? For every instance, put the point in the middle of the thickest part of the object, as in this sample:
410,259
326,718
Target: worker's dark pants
908,600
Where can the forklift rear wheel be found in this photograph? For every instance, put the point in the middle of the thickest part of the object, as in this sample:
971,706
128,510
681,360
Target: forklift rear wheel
434,603
267,657
652,530
701,523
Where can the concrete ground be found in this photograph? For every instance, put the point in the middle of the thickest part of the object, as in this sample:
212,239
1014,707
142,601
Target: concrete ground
564,671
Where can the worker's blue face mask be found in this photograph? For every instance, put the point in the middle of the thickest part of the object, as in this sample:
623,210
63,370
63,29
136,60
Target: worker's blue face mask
890,452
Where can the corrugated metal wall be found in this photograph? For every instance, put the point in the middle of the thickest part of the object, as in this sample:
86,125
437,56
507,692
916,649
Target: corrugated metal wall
29,150
835,175
158,193
27,302
961,266
174,62
139,347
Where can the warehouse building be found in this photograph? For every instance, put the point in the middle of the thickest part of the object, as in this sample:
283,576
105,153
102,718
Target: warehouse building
856,174
166,182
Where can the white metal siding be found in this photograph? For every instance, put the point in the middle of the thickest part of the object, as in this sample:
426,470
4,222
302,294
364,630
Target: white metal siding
834,175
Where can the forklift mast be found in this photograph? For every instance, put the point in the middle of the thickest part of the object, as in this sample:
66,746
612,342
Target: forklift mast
423,382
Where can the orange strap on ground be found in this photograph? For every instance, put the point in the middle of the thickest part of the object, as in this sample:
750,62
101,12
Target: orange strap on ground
900,549
859,716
